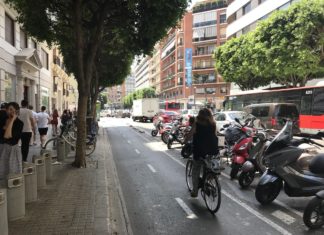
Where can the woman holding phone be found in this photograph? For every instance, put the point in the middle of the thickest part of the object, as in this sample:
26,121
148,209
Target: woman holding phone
10,154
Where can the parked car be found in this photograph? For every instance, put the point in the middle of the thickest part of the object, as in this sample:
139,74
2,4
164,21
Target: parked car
126,115
273,115
227,117
166,116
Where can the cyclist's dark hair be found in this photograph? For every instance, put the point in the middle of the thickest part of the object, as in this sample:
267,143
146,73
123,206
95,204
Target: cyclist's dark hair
24,103
205,117
43,108
14,105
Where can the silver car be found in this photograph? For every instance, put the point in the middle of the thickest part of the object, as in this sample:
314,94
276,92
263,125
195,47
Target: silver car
227,117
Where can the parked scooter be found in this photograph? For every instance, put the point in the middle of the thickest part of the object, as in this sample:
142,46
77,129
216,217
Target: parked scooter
160,128
314,211
254,163
177,134
285,163
240,151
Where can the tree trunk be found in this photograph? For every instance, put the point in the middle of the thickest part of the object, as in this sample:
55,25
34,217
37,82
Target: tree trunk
94,106
82,131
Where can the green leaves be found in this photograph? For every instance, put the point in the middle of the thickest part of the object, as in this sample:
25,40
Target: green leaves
139,94
287,48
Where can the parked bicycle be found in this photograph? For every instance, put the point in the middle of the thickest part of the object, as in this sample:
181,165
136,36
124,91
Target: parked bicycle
208,183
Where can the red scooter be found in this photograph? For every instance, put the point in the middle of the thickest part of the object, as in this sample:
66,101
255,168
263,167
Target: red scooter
240,151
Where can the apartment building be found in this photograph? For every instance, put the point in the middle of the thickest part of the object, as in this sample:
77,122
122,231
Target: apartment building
24,63
208,32
65,88
154,69
243,15
114,97
128,85
142,73
187,64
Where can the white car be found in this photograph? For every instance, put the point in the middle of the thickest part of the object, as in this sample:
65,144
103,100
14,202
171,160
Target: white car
227,117
187,113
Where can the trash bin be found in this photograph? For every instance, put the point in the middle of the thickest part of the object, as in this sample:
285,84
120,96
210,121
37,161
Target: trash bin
29,170
3,212
15,196
41,171
60,150
48,165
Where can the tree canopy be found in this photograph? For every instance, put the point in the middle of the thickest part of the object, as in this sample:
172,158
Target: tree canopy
79,27
286,48
139,94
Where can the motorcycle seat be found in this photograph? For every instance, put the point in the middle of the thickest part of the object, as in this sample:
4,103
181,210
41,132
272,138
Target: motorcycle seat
316,165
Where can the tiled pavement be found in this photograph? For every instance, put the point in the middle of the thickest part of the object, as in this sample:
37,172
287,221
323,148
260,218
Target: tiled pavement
77,201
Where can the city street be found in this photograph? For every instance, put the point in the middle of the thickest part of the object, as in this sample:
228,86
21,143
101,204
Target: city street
153,183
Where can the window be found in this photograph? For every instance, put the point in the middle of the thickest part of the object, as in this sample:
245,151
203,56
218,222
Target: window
246,29
44,57
261,1
222,18
210,90
222,32
23,39
8,88
223,90
9,30
318,107
246,8
260,111
221,117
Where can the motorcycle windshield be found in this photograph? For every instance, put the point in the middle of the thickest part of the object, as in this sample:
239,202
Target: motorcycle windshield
282,139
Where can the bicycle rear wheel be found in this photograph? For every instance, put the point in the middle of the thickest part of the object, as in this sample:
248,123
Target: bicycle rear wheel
189,174
90,146
212,192
48,143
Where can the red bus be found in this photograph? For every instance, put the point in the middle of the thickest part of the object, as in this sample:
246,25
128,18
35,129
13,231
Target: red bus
170,106
309,100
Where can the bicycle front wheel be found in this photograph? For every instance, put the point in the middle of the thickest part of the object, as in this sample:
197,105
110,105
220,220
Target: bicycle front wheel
52,141
90,146
212,192
189,175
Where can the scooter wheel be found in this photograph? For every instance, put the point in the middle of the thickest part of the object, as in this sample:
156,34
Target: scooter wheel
154,133
165,137
246,178
314,213
267,193
235,169
169,144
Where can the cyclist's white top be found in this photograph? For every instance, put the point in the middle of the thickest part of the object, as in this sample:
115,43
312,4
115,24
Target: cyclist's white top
25,115
42,120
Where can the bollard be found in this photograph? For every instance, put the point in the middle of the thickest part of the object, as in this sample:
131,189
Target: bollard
48,165
67,149
16,196
60,150
41,171
29,170
3,212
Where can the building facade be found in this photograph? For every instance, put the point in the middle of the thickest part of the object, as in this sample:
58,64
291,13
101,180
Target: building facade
154,69
243,15
65,87
187,64
128,86
141,72
24,63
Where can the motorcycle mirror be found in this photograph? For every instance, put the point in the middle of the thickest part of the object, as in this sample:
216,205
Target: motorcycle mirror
237,120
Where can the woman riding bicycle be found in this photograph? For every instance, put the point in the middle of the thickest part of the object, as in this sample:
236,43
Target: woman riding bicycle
205,142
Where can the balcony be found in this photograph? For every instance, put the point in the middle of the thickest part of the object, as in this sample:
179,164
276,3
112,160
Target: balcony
180,70
203,53
168,77
170,38
180,57
209,6
167,64
204,65
202,39
202,82
172,50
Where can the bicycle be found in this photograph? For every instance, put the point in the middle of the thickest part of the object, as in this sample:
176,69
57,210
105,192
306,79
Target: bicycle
68,134
208,181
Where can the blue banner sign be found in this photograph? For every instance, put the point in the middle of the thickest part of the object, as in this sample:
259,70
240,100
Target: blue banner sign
188,67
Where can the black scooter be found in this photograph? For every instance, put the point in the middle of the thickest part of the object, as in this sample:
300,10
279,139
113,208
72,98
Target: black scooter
281,158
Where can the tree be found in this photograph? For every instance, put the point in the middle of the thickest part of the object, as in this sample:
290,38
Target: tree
286,48
78,27
139,94
293,40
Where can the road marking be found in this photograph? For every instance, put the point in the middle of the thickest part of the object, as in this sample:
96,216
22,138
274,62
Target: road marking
257,214
174,159
137,151
284,217
190,214
151,168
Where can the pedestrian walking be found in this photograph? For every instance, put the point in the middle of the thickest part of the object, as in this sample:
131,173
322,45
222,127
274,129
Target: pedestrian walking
10,154
54,122
42,122
33,140
26,116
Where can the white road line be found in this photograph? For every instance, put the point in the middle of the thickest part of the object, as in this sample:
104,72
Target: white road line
284,217
137,151
190,214
257,214
151,168
174,159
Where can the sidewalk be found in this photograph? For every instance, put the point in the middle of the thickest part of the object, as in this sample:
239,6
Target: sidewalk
78,201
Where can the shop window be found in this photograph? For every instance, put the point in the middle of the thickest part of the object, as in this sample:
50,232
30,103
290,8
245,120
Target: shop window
9,30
